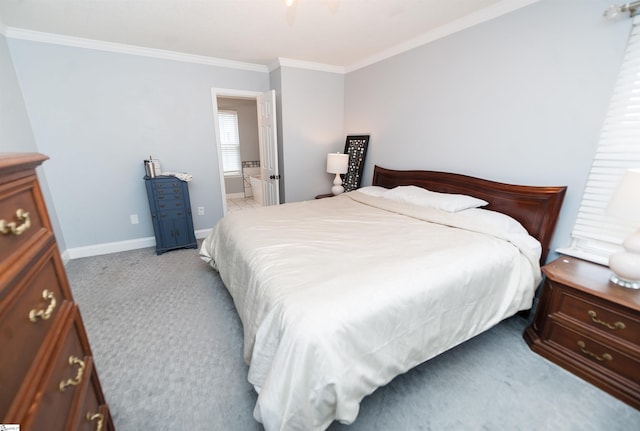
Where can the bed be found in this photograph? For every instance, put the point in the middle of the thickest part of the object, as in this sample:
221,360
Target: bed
338,296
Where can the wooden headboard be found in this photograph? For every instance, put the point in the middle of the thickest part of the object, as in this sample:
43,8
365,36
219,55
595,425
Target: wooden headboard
536,208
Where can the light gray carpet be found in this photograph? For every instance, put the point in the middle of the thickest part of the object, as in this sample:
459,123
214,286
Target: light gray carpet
168,348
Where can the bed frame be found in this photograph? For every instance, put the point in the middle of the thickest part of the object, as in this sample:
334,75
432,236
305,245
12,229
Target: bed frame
536,208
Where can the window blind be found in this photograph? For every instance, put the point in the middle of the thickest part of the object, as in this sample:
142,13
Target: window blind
596,235
230,142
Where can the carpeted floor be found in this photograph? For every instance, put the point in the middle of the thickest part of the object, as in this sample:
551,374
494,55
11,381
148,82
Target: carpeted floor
168,348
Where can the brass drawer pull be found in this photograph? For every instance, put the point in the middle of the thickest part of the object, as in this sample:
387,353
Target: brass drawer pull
34,314
604,357
98,417
12,228
73,382
617,325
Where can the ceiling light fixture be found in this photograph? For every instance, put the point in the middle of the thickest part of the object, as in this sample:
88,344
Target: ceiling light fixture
614,10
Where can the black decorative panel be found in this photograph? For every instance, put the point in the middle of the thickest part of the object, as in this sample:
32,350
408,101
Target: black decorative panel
356,148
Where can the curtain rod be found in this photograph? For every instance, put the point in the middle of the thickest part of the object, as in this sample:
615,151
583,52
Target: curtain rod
614,10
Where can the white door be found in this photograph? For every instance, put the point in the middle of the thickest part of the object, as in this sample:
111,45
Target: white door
267,135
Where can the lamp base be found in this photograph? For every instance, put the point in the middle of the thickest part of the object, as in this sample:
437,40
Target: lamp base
629,284
336,190
337,185
625,265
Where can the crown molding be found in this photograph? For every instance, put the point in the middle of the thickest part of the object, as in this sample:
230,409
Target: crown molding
501,8
489,13
37,36
299,64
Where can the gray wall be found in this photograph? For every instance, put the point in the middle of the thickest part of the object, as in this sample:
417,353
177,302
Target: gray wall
312,111
15,129
519,99
98,115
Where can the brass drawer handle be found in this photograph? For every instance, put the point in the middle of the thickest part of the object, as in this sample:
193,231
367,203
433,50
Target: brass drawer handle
12,228
617,325
73,382
604,357
98,417
34,314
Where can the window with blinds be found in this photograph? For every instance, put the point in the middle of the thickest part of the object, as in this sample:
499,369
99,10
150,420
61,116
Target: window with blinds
596,235
230,142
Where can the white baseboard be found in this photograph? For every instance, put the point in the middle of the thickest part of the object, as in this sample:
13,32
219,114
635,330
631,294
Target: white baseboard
110,247
202,233
65,257
235,195
115,247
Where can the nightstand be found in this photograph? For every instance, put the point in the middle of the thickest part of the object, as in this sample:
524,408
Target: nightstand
326,195
589,326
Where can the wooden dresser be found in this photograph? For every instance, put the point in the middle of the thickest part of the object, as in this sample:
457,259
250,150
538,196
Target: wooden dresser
48,380
590,327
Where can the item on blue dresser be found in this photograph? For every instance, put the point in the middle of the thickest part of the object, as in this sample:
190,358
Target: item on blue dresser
149,169
170,213
152,167
180,175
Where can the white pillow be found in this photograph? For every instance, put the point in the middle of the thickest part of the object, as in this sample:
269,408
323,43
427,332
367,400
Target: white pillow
426,198
496,219
375,191
505,223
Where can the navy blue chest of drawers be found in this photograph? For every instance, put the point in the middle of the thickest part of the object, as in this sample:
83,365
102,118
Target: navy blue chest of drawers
171,213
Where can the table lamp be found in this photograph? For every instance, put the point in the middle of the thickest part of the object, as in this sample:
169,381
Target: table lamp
337,164
625,204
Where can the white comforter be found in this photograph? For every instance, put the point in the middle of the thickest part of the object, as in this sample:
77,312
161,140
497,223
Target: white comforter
338,296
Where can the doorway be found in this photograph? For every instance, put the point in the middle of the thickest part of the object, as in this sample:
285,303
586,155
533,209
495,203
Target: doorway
256,183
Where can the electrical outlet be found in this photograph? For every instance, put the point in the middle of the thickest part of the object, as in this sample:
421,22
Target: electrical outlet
200,210
134,219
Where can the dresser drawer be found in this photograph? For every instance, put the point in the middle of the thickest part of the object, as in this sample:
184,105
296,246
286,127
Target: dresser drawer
171,204
25,219
27,318
624,326
167,183
597,354
91,415
169,195
64,381
172,214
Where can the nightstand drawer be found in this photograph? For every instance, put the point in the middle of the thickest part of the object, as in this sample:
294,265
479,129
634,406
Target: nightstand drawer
624,364
619,324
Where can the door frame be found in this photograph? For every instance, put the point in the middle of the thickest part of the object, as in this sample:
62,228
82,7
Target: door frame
225,92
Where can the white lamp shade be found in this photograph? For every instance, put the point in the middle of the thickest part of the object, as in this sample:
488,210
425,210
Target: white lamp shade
337,163
625,203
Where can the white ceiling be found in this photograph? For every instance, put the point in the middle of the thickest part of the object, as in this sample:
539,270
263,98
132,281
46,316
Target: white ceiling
342,33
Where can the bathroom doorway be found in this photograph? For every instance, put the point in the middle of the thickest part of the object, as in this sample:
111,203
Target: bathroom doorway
248,159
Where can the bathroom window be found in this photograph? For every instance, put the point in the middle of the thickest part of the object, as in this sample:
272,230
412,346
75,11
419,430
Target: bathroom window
230,142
